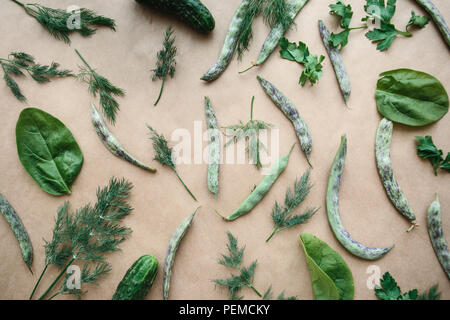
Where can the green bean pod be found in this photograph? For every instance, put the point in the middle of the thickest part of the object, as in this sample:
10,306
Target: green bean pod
337,61
19,230
229,45
261,190
332,202
172,250
111,143
214,148
440,247
291,112
437,18
277,32
384,164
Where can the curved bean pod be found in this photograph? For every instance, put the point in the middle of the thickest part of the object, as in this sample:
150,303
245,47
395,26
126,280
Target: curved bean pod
384,164
291,112
214,148
19,230
172,250
332,202
229,45
260,191
277,32
437,236
437,18
111,143
338,63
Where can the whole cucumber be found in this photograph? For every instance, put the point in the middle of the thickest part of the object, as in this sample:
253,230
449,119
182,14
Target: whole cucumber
138,279
192,12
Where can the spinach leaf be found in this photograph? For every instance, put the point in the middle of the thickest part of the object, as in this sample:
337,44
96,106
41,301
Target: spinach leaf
411,97
330,276
48,151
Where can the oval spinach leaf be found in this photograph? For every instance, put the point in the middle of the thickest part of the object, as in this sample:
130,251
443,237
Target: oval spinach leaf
48,151
411,97
330,276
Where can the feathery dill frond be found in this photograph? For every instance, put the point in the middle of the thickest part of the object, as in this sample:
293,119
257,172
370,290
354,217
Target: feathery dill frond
166,63
236,282
281,216
17,63
235,254
164,155
253,9
277,12
87,235
61,23
99,85
249,131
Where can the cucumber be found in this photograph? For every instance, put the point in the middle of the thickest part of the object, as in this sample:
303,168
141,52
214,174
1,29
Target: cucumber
138,279
192,12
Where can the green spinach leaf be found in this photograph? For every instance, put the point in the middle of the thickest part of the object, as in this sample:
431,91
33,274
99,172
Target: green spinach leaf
48,151
411,97
330,276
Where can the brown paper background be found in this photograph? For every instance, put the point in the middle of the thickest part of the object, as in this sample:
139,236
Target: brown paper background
126,57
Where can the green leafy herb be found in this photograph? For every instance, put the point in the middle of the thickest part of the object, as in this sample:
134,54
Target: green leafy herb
249,131
86,236
300,54
48,151
61,23
390,290
411,97
164,154
244,279
330,276
19,62
99,85
282,218
166,63
383,12
417,21
427,150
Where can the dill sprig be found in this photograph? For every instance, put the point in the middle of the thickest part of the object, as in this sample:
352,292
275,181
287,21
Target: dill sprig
19,62
86,236
166,61
164,154
235,254
58,22
268,295
282,218
249,131
274,12
99,85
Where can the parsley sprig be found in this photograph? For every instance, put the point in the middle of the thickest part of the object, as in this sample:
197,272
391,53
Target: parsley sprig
426,149
389,290
18,63
300,53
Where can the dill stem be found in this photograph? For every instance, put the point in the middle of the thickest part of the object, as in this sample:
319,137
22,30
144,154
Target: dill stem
20,3
57,293
84,61
179,178
160,91
256,291
57,279
273,233
37,283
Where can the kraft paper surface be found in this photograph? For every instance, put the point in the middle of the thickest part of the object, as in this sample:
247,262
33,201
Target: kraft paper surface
160,202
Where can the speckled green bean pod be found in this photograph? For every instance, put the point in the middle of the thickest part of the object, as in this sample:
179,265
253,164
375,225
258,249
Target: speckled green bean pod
337,61
437,236
277,32
332,202
384,164
291,112
229,45
214,148
261,190
172,250
437,18
111,143
19,230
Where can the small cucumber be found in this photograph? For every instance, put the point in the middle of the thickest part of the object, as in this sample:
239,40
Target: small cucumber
192,12
138,279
